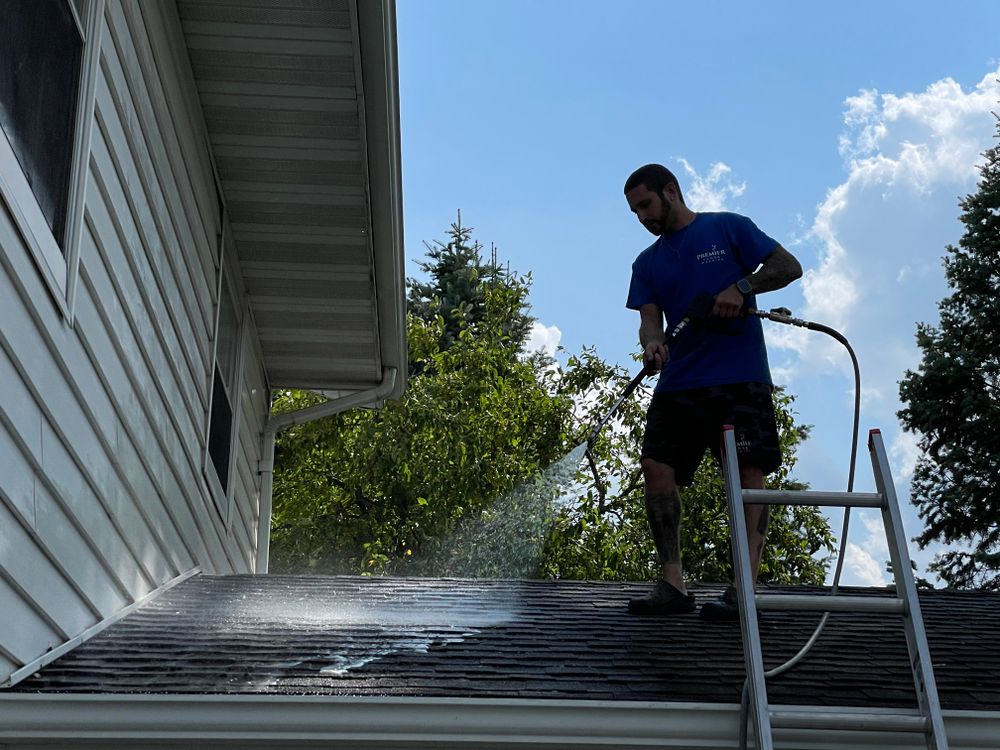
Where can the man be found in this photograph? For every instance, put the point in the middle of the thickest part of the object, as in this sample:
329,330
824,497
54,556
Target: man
715,374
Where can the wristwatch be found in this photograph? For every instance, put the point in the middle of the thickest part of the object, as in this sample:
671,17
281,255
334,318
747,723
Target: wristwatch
744,286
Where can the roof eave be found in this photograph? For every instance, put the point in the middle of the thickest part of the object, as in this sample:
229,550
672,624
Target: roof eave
308,169
88,720
379,69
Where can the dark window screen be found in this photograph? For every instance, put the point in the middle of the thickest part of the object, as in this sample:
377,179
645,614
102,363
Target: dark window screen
40,58
220,431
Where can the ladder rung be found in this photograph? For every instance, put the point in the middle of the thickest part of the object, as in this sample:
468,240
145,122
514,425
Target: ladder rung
816,721
826,603
833,720
812,497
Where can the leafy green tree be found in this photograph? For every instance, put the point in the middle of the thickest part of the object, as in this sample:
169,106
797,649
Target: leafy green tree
378,491
952,400
604,535
457,282
479,469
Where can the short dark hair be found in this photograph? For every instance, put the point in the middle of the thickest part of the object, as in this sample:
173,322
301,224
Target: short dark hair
655,177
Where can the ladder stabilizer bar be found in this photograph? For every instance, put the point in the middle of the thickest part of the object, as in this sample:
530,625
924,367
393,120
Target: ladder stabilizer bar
831,721
812,497
825,603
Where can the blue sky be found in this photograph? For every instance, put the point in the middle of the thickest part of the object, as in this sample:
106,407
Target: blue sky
847,131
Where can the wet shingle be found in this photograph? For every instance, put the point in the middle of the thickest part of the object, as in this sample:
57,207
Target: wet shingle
520,639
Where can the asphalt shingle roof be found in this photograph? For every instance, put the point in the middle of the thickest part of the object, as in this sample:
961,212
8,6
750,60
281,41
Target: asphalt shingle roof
514,639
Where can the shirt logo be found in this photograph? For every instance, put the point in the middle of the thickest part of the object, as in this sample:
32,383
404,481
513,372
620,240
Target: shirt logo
714,255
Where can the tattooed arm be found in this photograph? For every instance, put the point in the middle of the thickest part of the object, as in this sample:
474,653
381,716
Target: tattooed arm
779,269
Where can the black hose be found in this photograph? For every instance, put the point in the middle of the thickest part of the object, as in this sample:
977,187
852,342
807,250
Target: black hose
784,316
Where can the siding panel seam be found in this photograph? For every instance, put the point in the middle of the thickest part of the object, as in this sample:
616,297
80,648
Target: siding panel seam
142,158
202,231
81,465
198,514
147,128
45,549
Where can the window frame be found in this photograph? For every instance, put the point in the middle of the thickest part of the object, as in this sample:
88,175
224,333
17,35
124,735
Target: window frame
58,259
224,498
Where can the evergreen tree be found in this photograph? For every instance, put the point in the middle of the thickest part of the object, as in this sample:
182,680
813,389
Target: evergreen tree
458,278
953,403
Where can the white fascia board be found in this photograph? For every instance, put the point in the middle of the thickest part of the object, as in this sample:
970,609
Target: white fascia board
376,21
85,721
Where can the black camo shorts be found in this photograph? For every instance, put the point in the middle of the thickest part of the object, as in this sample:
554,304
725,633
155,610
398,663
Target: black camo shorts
680,425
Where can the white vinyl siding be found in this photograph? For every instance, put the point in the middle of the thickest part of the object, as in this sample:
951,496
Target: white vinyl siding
102,423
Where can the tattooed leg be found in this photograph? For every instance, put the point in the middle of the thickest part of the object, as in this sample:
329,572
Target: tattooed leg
663,511
758,518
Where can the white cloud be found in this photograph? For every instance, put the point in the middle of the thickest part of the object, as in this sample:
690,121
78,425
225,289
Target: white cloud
866,553
862,569
882,232
903,453
865,564
543,337
909,158
879,237
711,192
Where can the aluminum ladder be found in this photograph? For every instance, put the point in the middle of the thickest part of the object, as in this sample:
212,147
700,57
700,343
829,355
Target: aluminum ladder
927,719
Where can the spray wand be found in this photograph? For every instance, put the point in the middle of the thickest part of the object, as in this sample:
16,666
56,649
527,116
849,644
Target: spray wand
698,309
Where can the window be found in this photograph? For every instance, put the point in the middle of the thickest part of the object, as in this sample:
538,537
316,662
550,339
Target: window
223,391
48,63
223,413
41,51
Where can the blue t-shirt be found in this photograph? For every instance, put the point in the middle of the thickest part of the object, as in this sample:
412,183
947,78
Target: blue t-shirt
709,254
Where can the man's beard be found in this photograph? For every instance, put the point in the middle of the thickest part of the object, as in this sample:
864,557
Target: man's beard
659,225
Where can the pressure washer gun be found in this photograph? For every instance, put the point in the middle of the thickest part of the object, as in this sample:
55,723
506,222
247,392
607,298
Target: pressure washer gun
701,306
646,371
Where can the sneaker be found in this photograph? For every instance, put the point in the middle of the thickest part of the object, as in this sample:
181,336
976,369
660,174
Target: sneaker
663,600
723,609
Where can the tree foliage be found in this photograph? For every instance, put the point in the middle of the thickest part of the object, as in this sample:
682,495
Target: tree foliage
458,279
952,400
604,534
375,491
479,470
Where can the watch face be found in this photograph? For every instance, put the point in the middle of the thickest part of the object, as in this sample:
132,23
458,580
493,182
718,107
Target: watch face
744,286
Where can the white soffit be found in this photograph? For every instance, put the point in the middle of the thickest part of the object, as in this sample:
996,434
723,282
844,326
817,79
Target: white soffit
301,105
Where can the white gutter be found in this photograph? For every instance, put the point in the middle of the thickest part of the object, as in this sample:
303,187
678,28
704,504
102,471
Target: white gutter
257,721
275,424
378,97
